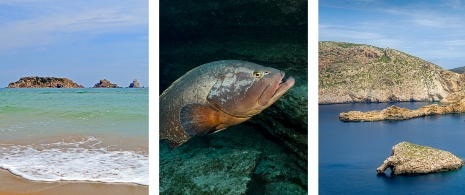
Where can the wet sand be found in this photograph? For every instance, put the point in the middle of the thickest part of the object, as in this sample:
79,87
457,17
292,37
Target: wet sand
12,184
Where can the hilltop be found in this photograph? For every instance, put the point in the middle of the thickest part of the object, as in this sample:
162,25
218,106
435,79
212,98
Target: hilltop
459,70
362,73
44,82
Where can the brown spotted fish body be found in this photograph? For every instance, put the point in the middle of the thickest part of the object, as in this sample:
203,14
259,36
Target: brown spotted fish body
217,95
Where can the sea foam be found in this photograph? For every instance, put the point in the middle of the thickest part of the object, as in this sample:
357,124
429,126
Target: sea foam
83,160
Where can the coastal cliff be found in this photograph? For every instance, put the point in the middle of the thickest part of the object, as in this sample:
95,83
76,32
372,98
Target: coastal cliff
363,73
44,82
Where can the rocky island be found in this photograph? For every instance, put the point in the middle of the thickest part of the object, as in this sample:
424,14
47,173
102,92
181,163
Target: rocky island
362,73
455,103
134,84
44,82
408,158
105,84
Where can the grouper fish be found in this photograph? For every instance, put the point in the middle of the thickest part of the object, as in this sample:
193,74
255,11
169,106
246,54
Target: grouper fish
216,95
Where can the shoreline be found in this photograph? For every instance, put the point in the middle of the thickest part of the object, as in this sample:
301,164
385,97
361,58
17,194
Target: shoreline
321,104
13,184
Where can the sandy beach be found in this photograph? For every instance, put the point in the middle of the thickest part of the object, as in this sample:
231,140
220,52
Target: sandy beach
12,184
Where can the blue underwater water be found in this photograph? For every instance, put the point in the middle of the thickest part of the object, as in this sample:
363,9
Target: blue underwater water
349,153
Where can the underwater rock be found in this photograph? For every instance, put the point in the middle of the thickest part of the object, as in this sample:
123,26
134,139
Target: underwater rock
239,156
105,84
287,118
134,84
44,82
408,158
208,171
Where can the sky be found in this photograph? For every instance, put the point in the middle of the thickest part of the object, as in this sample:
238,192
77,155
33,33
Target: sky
433,30
83,41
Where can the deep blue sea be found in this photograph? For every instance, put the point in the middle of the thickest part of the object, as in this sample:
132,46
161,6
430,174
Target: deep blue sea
349,153
75,134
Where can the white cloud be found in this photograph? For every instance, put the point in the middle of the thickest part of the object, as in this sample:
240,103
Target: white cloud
455,43
54,23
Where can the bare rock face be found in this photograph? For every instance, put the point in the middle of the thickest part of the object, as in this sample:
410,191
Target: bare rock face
105,84
408,158
44,82
456,104
134,84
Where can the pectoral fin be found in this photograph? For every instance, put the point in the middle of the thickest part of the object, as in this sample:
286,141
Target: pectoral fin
198,119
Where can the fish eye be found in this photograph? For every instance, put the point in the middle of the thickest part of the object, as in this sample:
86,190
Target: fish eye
257,74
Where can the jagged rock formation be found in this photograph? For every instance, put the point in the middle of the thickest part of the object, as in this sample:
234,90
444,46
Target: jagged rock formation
105,84
363,73
456,104
454,97
408,158
44,82
134,84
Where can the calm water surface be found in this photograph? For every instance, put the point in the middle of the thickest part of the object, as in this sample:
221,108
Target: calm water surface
349,153
49,134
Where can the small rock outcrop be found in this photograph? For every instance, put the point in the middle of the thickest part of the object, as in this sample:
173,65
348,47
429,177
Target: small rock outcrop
134,84
456,104
105,84
44,82
408,158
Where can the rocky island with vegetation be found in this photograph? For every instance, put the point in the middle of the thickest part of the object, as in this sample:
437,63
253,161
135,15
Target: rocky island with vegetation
362,73
408,158
43,82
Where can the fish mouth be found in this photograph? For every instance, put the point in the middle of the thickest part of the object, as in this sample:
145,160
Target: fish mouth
284,86
275,90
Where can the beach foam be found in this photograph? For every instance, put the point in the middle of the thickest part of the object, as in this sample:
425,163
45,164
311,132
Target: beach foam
82,160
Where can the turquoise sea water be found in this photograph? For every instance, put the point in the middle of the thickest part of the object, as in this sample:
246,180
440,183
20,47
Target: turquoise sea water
349,153
49,134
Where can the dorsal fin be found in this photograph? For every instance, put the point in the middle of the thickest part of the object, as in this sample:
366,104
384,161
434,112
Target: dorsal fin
198,119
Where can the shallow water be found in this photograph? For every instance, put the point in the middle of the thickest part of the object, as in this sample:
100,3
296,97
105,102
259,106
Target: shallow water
49,134
349,153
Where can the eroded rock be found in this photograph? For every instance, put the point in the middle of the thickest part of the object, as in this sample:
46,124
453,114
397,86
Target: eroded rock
408,158
456,104
105,84
134,84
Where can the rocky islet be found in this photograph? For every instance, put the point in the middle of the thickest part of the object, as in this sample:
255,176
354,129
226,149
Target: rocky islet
409,158
55,82
43,82
104,83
